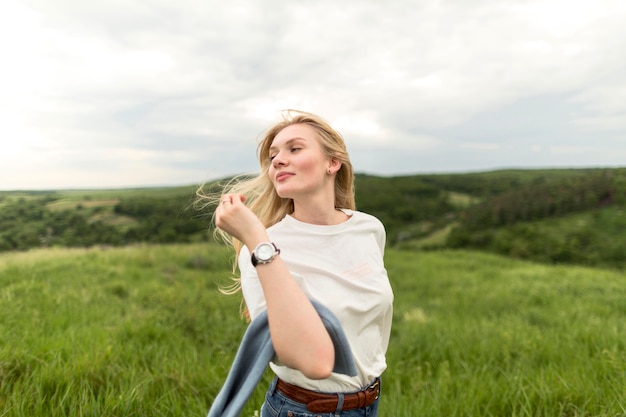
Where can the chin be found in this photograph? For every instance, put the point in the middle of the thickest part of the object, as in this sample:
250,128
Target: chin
283,192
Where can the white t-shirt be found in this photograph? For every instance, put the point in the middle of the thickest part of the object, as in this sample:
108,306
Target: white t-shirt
342,267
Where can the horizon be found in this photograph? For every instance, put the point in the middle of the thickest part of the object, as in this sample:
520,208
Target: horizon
357,173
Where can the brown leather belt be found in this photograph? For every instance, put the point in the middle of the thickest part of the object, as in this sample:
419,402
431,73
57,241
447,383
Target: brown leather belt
318,402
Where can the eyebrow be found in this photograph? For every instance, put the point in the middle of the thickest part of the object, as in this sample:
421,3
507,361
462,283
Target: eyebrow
288,142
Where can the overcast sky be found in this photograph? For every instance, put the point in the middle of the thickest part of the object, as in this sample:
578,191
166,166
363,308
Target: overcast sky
123,93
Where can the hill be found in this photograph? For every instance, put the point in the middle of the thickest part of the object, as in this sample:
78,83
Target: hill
559,215
99,217
555,216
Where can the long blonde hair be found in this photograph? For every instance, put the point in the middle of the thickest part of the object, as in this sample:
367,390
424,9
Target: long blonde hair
261,197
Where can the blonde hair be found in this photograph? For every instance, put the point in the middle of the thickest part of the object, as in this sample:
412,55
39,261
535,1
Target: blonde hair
261,197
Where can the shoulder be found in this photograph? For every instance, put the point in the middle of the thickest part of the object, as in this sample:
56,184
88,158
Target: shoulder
365,223
366,218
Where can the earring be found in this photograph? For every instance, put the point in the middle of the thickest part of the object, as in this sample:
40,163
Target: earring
329,172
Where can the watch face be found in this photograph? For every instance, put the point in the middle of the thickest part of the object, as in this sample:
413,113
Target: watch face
264,252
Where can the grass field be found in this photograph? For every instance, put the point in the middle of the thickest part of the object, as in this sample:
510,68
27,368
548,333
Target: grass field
142,331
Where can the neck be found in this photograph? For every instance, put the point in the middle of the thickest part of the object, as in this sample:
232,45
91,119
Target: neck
324,215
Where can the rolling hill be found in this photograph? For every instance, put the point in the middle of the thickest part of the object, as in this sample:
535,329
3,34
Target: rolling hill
556,216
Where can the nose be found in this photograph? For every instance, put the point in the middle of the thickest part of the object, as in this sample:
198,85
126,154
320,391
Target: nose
279,160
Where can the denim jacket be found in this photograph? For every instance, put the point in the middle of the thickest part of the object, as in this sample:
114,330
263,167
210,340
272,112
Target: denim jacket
255,353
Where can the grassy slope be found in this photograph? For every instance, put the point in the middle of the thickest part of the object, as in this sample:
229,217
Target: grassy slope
133,331
485,335
143,331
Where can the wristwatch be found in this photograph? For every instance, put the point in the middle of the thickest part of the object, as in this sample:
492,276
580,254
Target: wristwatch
264,253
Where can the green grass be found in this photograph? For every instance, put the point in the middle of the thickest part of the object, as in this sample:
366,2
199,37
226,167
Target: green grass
462,200
122,332
481,335
142,331
434,240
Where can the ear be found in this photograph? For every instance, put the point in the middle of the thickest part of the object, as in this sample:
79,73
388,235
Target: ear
334,165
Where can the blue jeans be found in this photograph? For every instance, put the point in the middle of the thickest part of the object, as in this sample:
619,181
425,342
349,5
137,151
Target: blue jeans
277,405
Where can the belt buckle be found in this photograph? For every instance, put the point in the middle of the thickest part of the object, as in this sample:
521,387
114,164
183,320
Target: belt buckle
373,387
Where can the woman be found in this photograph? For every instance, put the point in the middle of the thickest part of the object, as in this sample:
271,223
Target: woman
299,237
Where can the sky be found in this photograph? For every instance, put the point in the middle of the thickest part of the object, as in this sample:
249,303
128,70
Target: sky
128,93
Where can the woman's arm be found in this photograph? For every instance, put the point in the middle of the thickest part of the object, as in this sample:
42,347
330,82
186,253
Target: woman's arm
298,334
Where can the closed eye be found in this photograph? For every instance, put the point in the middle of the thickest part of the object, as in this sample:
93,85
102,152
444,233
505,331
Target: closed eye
293,145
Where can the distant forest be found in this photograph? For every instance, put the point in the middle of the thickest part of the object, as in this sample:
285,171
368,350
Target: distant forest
569,215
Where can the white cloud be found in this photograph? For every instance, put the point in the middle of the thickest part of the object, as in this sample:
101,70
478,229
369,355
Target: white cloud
481,146
575,149
88,80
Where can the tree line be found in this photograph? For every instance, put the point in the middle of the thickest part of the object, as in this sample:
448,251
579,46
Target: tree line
541,201
538,222
29,223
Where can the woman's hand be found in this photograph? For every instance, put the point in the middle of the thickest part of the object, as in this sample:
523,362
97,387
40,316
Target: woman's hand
236,219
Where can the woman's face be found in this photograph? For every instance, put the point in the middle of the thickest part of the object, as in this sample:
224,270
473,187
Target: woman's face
298,165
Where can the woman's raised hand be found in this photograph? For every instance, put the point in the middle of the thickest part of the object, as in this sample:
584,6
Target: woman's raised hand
236,219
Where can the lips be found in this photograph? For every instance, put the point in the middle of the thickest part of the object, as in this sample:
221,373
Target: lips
281,176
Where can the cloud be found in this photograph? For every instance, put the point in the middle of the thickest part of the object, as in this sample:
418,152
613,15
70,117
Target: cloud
182,90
